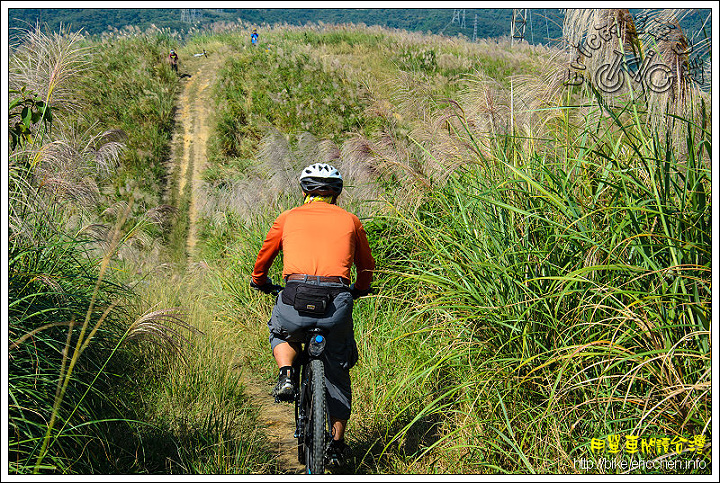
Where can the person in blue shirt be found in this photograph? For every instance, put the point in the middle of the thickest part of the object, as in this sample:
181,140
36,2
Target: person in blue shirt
254,37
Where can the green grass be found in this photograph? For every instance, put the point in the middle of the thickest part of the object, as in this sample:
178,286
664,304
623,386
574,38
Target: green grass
597,269
284,88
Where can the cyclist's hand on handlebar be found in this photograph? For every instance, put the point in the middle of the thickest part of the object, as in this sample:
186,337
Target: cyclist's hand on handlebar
356,294
268,287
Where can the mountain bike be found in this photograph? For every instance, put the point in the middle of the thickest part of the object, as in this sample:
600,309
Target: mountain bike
313,428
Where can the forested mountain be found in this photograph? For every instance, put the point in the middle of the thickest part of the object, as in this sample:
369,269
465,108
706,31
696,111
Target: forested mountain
543,25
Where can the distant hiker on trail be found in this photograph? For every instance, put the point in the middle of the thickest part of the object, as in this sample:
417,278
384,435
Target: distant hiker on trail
254,37
173,58
320,243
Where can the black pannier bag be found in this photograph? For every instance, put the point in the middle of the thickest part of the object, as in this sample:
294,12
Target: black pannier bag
309,298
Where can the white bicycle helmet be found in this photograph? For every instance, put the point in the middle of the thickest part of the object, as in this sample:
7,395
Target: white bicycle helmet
321,178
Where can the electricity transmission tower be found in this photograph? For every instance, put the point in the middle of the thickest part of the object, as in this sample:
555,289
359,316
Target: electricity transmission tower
474,38
517,25
459,15
189,15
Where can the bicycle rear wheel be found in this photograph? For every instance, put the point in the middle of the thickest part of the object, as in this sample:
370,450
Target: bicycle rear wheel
317,428
300,422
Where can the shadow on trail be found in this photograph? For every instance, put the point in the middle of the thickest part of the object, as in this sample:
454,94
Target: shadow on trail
375,452
180,439
191,448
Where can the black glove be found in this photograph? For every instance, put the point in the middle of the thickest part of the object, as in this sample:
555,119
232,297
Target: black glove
356,294
267,287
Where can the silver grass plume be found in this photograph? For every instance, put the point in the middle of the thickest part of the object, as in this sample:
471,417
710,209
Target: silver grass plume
276,162
359,175
672,48
67,168
164,328
594,36
47,64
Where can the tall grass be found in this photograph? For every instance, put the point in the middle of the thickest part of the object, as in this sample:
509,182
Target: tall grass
87,351
199,414
572,295
50,287
132,89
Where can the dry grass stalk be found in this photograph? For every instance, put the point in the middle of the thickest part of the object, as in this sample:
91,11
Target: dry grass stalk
276,161
594,38
486,106
161,327
655,42
682,98
47,64
24,337
444,144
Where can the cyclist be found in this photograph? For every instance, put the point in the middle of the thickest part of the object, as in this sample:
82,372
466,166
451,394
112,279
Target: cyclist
254,37
173,58
320,242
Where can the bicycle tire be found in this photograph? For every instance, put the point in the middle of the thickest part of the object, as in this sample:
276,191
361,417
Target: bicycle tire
301,411
317,420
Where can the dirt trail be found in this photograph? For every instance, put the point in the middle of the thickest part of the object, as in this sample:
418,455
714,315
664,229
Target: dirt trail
189,157
279,421
190,142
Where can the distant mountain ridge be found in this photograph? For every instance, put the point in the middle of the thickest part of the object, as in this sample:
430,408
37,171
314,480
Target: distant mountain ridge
543,25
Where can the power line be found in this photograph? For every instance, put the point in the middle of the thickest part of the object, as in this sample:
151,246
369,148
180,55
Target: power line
532,37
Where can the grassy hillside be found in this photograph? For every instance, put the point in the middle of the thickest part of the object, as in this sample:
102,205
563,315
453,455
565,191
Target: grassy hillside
543,249
527,309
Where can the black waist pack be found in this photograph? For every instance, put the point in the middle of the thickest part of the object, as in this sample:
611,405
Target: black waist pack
309,298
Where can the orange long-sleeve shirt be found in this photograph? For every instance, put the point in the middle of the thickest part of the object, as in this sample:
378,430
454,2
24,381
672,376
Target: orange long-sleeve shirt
317,238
